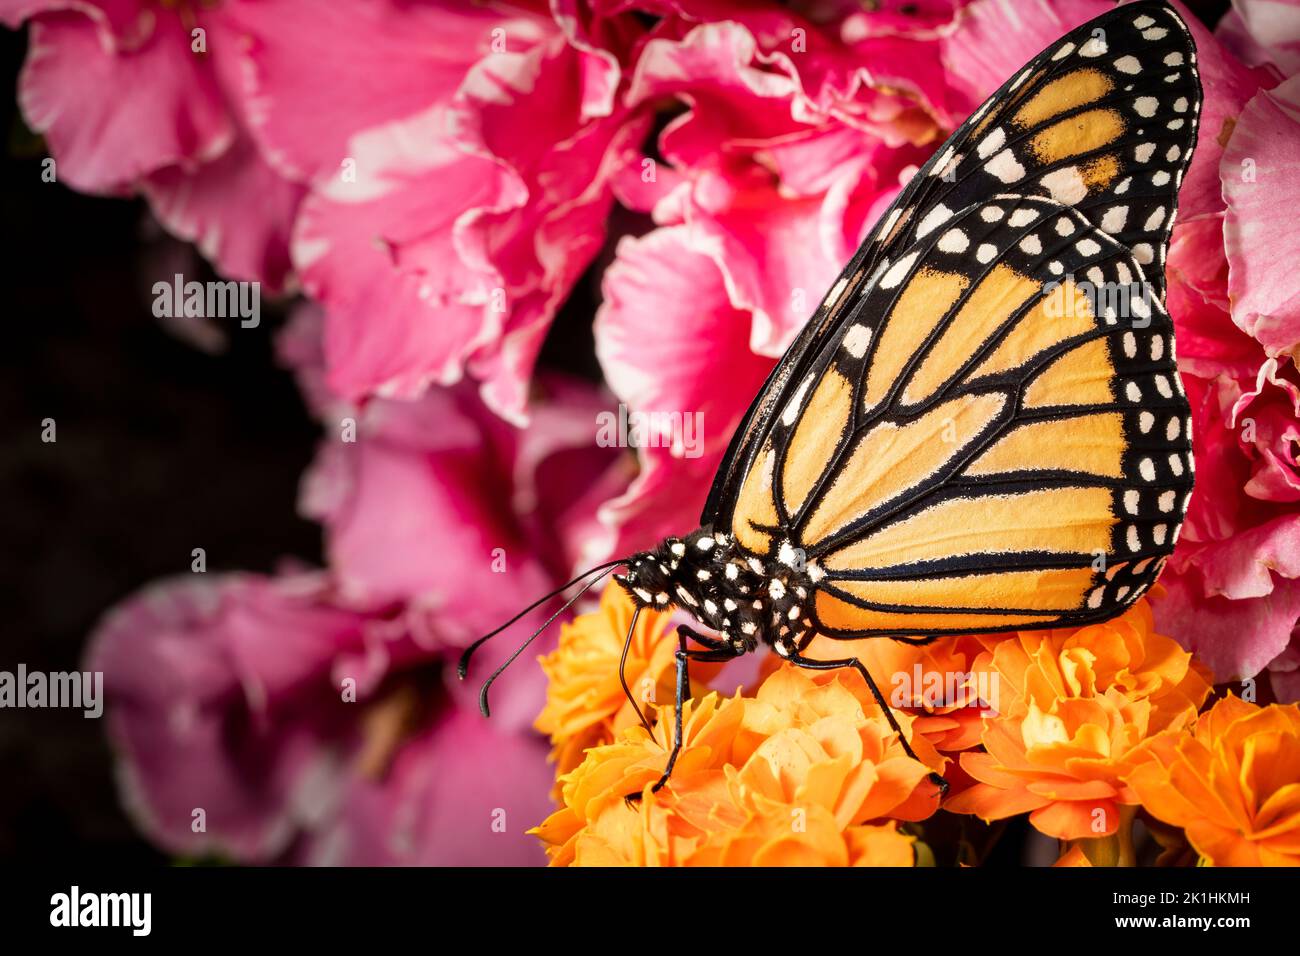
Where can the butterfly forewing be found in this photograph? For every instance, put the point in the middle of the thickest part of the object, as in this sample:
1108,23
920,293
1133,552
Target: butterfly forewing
994,441
1103,121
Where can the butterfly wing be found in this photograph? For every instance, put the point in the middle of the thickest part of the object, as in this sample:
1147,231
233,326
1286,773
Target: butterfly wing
997,439
1104,121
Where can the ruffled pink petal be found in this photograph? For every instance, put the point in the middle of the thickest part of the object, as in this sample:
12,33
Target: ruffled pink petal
994,39
542,245
1235,638
1263,31
236,209
401,60
670,341
1260,169
462,793
122,24
1227,86
114,116
398,320
1270,416
209,682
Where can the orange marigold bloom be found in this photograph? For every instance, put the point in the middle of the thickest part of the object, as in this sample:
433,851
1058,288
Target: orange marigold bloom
806,772
1075,708
1233,784
585,703
937,683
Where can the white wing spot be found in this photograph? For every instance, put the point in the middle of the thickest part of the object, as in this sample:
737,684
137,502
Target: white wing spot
954,240
1146,106
1129,65
898,271
793,406
1023,217
1114,219
991,143
1006,167
936,217
856,340
1066,185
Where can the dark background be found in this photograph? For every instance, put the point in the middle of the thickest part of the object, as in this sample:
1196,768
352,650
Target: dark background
162,448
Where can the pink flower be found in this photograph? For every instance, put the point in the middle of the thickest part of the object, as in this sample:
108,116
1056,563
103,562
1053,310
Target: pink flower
459,178
1259,174
1263,32
251,724
789,149
136,96
316,716
1233,584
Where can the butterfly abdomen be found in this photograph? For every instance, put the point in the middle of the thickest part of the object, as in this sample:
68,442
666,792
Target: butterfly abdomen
746,599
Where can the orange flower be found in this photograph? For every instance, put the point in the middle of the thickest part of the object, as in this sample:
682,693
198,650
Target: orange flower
585,703
806,772
938,683
1233,784
1075,710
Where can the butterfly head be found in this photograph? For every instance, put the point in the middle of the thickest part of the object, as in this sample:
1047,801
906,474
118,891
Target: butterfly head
745,599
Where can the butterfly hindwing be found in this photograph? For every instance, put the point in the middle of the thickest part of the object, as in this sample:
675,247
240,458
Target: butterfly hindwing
995,437
1104,121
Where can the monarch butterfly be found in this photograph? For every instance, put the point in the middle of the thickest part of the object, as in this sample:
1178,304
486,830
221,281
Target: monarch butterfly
981,428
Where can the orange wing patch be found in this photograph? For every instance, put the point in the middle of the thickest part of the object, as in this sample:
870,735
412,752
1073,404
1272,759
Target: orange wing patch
818,434
1060,315
990,304
892,459
1063,94
1066,521
756,504
1081,376
1093,444
840,615
919,310
1055,589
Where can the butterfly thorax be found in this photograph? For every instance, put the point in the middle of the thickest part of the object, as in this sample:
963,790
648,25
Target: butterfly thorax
744,598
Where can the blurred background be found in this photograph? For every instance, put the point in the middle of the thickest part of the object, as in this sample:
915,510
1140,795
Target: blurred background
163,445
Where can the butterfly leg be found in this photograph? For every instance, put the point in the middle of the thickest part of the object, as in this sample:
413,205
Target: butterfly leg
815,665
716,650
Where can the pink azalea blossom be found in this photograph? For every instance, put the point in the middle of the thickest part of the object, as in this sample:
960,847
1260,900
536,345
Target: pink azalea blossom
795,137
1263,32
315,716
126,103
457,192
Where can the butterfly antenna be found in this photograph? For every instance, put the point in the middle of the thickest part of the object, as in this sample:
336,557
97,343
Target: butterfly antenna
462,667
487,684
